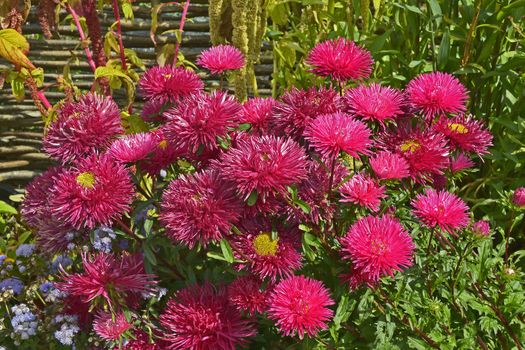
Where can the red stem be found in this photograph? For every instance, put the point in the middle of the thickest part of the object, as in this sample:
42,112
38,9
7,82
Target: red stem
116,13
43,99
82,37
181,29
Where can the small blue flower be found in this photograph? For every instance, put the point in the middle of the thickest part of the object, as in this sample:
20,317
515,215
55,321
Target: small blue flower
46,287
25,250
2,258
24,322
61,260
103,238
13,284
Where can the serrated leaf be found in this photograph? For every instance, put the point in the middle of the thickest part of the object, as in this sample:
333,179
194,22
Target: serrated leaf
227,250
109,72
13,47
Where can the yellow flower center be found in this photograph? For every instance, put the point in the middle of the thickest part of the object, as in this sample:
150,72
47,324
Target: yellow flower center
86,179
458,128
378,247
167,76
264,245
410,146
163,144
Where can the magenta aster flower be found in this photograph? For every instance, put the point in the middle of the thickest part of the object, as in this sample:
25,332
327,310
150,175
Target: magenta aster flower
460,162
374,102
518,198
481,228
112,278
437,93
331,134
200,120
387,165
201,317
221,58
363,191
268,257
377,246
53,236
299,305
164,154
83,128
110,327
91,193
257,112
297,108
266,164
199,208
441,208
340,59
153,110
425,151
169,83
465,134
248,294
132,148
34,208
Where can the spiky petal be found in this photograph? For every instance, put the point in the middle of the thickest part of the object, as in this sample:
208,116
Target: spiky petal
363,191
465,133
374,102
388,165
169,83
221,58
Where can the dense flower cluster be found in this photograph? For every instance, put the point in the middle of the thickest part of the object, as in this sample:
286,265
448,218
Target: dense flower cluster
245,212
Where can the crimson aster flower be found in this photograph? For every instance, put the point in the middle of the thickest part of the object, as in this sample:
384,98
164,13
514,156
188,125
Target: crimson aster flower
377,246
437,93
266,164
164,154
460,162
465,133
331,134
518,198
388,165
169,83
82,128
132,148
199,208
200,120
268,257
91,193
481,228
340,59
297,108
110,327
363,191
221,58
53,236
374,102
153,110
201,317
248,294
109,277
299,305
141,341
442,209
257,112
34,208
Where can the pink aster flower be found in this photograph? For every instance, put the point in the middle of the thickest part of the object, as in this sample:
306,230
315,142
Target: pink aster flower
437,93
441,208
297,108
164,154
248,294
110,327
266,164
169,83
199,208
266,256
153,110
465,134
53,236
374,102
331,134
340,59
83,128
91,193
35,207
481,228
460,162
299,305
132,148
518,198
200,120
221,58
362,190
113,278
377,246
426,152
141,341
388,165
257,112
201,317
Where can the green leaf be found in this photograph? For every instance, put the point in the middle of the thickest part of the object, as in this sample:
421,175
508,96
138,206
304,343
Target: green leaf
215,256
149,254
127,10
148,224
13,47
252,199
444,49
110,72
227,250
7,209
303,205
23,237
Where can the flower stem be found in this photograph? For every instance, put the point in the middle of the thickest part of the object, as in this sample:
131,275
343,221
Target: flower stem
181,29
116,13
89,56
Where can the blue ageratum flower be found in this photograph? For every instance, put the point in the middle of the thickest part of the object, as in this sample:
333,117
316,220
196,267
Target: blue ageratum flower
13,284
25,250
